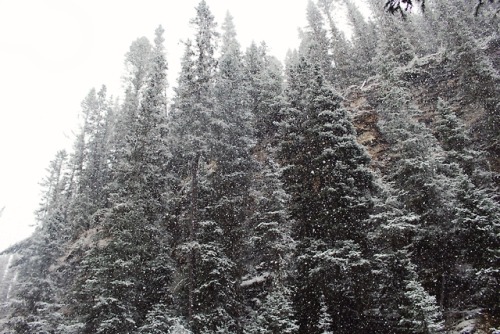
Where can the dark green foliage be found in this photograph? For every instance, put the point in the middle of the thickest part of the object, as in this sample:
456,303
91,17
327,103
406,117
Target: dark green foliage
263,79
232,139
323,160
364,40
339,47
160,321
456,140
214,304
129,272
270,242
268,253
129,267
90,169
330,186
275,314
420,312
211,139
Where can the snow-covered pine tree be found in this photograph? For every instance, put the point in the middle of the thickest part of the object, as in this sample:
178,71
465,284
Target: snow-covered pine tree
401,304
394,47
364,42
210,139
269,241
325,320
138,66
420,312
231,142
326,174
478,76
268,253
341,49
90,168
194,98
186,208
479,82
455,138
276,314
315,42
129,268
263,79
419,181
395,228
37,305
215,305
476,227
160,321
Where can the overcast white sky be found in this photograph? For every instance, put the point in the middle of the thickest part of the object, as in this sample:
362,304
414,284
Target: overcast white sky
54,51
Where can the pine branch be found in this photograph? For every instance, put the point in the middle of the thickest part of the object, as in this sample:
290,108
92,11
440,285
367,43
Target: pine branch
480,3
403,6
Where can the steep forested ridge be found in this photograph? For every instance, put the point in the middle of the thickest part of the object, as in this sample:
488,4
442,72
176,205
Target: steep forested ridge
352,190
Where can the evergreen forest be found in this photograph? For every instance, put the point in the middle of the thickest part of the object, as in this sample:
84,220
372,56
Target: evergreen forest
351,189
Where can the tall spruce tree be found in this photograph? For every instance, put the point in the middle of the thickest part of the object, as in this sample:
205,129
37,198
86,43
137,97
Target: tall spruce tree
90,168
417,178
326,174
264,86
315,42
129,268
232,139
37,305
364,40
340,48
138,65
211,151
269,246
401,304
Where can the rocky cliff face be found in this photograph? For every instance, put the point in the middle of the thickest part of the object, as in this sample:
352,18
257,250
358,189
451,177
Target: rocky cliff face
429,79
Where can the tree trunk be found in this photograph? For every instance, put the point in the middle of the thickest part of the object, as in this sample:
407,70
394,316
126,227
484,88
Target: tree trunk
192,225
